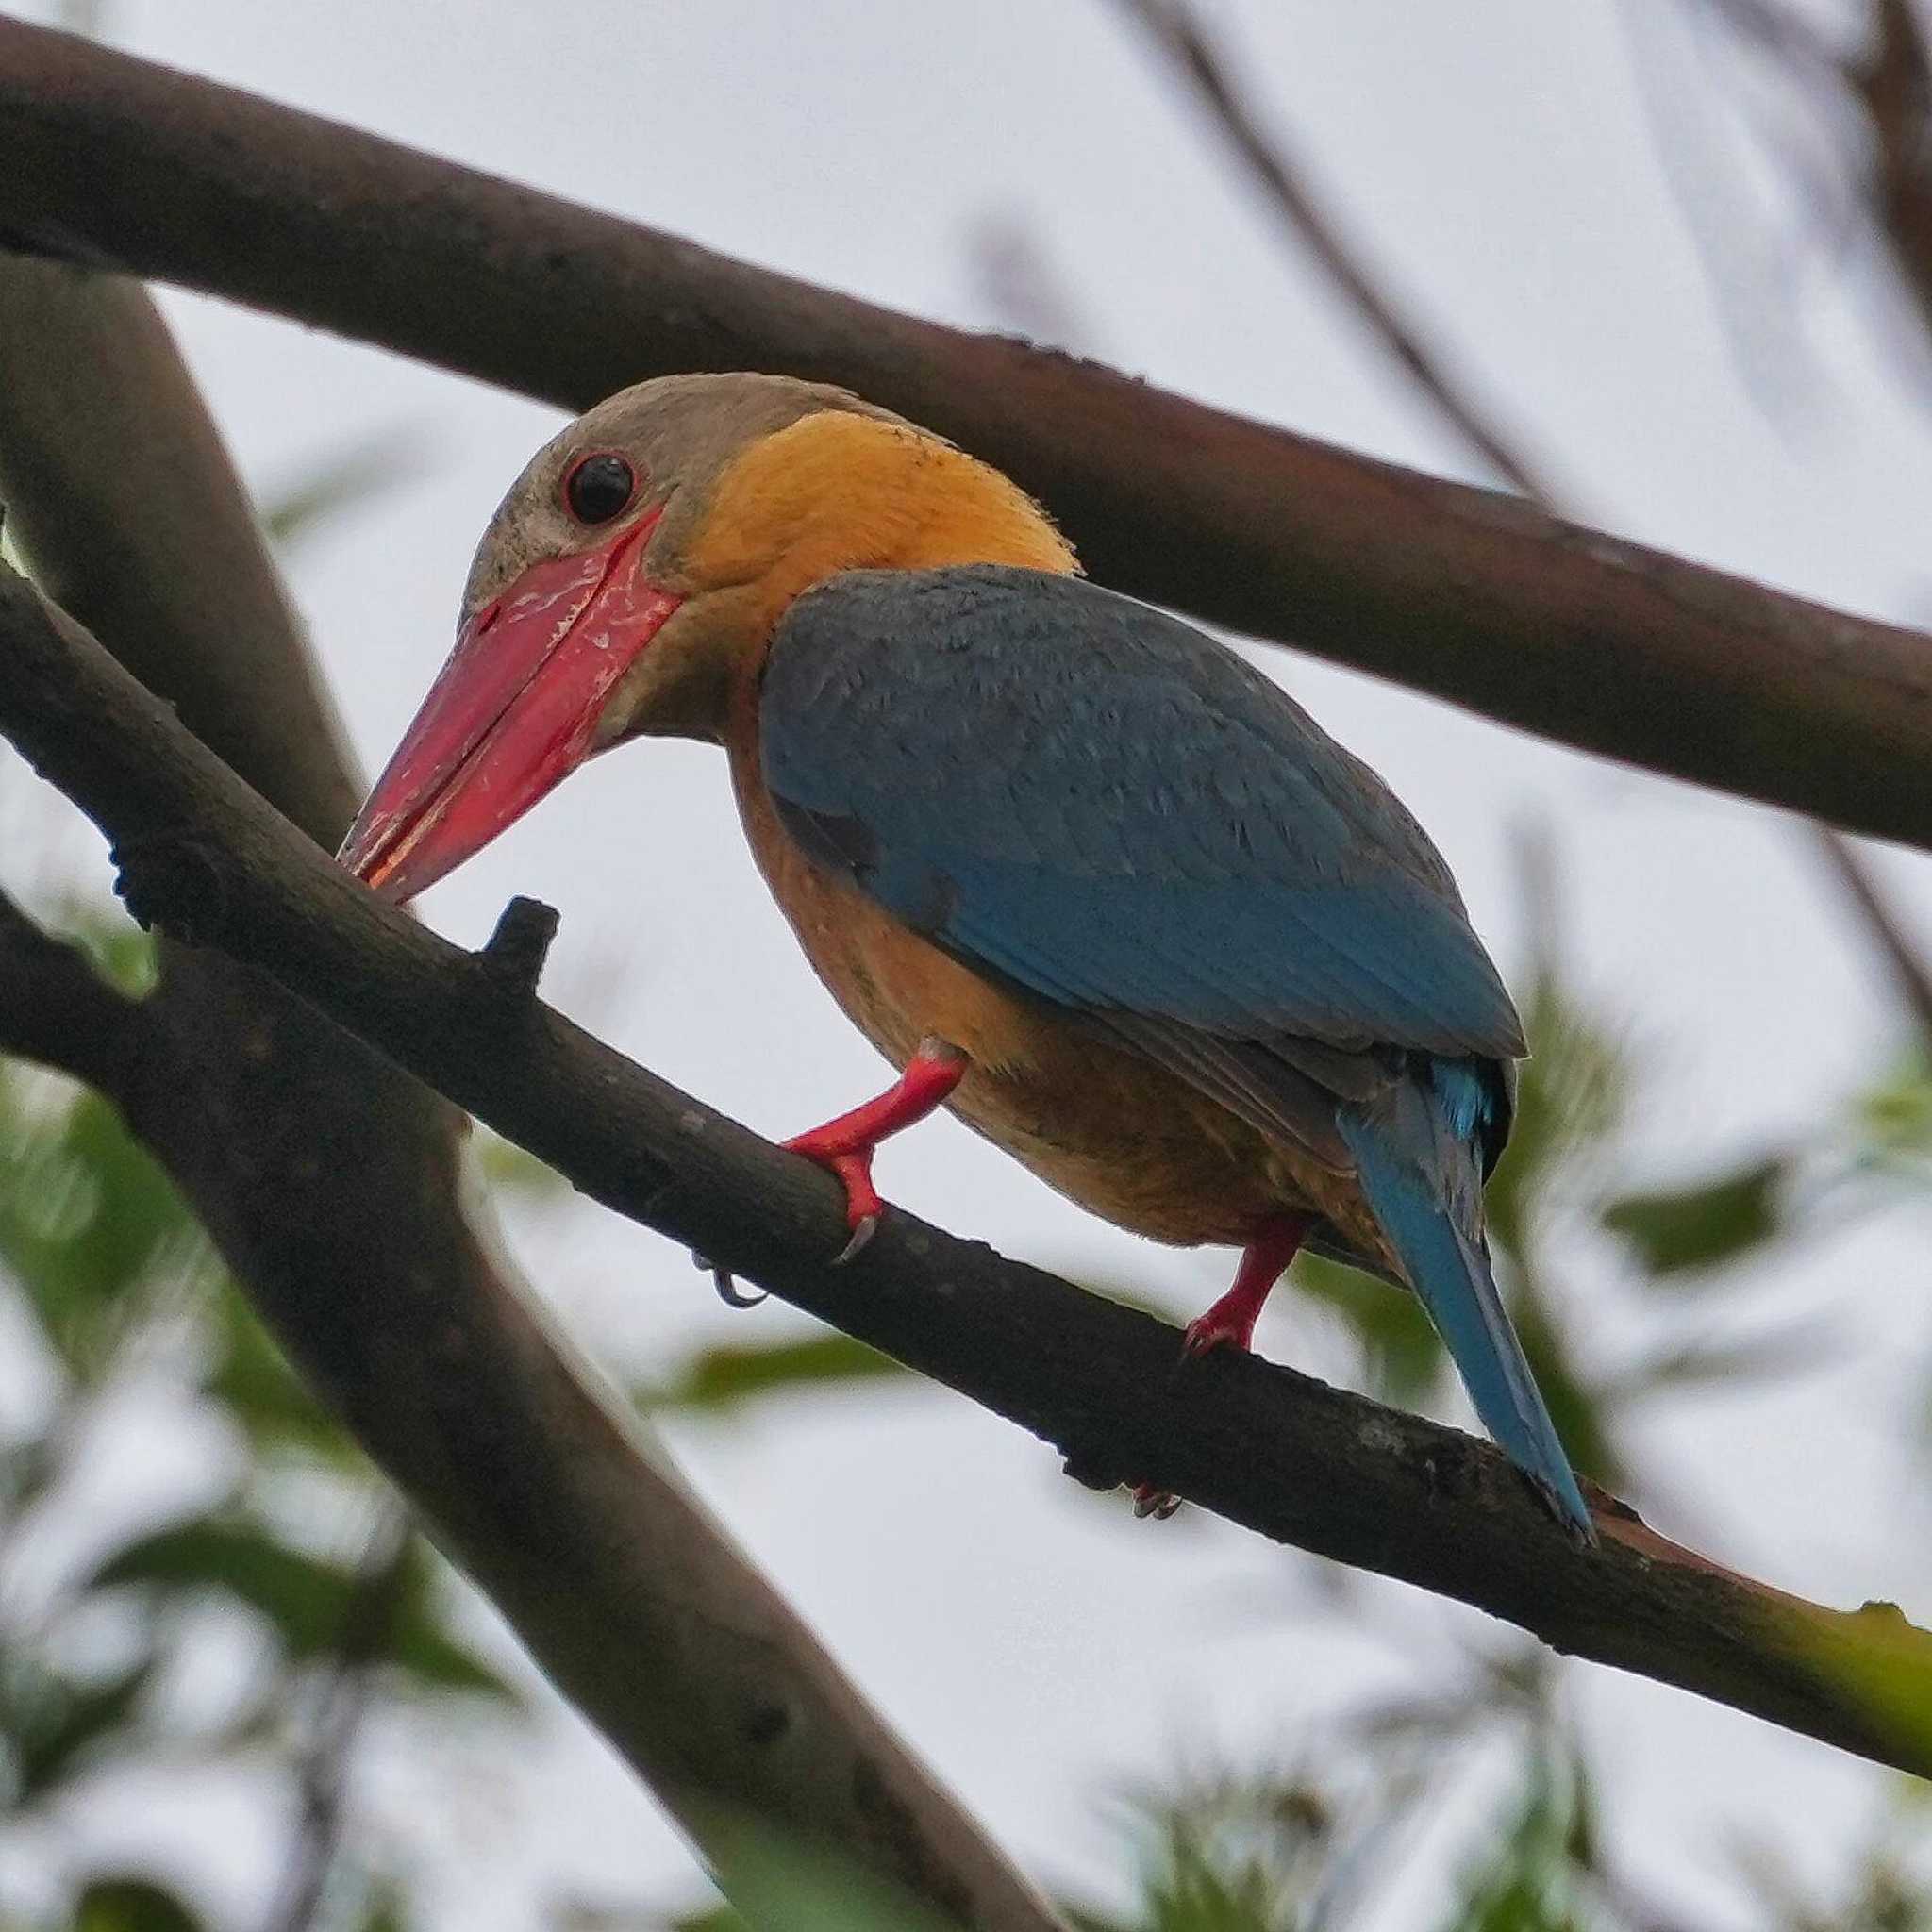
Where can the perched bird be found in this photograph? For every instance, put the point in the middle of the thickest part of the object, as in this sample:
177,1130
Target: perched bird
1081,872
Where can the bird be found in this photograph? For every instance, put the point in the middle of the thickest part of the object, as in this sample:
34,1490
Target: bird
1082,873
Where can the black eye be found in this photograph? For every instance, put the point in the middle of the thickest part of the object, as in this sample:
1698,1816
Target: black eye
600,488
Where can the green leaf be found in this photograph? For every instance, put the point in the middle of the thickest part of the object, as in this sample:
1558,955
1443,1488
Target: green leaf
85,1217
775,1879
1896,1115
125,1903
1575,1407
1796,1349
1692,1229
68,1723
1403,1357
1526,1878
441,1662
1572,1095
387,1909
314,1605
506,1165
726,1377
123,954
336,483
303,1597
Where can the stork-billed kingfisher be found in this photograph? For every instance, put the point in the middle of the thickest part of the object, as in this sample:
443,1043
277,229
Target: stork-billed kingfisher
1082,873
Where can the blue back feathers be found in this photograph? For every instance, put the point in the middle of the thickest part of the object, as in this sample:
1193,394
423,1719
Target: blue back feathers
1092,801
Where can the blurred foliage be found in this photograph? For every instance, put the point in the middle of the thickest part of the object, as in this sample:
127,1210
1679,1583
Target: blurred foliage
226,1631
725,1377
288,1581
293,1582
348,479
288,1594
1564,1201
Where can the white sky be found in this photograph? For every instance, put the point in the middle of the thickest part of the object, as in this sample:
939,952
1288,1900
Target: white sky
1041,1648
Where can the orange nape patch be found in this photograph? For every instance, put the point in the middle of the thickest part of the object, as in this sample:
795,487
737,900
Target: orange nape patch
837,492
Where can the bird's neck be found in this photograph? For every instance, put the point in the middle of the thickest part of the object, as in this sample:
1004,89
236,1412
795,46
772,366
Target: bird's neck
837,492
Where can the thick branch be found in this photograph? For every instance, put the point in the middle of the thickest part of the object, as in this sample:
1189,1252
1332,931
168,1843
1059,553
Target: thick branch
1268,1448
1475,597
57,1010
119,465
331,1183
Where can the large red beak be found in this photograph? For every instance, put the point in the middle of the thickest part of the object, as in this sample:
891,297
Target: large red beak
513,711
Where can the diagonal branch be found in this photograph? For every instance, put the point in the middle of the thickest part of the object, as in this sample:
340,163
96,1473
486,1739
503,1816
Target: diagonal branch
1902,952
1174,28
1266,1447
57,1010
333,1185
1477,597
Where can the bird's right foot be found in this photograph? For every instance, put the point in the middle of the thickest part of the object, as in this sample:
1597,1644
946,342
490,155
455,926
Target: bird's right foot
845,1146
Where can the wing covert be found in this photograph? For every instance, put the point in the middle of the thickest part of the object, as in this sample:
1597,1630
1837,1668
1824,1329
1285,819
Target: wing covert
1094,800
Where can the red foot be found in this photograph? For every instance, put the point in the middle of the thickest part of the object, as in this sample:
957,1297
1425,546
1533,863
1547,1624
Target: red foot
1230,1323
847,1145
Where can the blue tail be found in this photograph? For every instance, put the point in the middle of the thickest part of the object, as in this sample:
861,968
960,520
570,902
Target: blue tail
1415,1151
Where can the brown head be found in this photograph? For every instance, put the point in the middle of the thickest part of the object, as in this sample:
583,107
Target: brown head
629,582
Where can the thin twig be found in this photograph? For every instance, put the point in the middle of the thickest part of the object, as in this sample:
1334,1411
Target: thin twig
342,1702
1899,89
57,1010
1902,952
1284,180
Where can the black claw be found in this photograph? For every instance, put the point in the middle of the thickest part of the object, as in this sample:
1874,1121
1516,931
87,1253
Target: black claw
728,1293
726,1284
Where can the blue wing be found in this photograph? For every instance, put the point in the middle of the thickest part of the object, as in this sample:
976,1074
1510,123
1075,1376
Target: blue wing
1091,800
1094,800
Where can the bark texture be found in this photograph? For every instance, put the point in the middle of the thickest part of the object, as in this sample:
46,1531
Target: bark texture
1257,1443
1477,597
333,1184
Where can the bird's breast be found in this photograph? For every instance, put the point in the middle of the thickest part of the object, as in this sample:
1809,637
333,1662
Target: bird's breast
1124,1138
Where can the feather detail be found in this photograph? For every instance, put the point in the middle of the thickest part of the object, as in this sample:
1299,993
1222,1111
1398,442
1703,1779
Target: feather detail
1420,1171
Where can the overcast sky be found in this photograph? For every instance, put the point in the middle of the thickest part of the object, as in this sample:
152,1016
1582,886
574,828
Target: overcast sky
1040,1646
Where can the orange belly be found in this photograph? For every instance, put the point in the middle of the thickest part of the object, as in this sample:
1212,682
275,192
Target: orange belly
1121,1135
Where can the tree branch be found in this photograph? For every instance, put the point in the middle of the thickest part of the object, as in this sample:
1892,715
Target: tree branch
332,1184
1478,598
1260,1444
57,1010
342,1702
1902,953
109,459
1174,28
1901,46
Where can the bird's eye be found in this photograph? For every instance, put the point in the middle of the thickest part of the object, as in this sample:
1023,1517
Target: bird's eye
599,488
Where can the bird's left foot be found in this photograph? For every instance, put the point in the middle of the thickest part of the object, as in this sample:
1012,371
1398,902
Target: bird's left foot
847,1145
1230,1323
